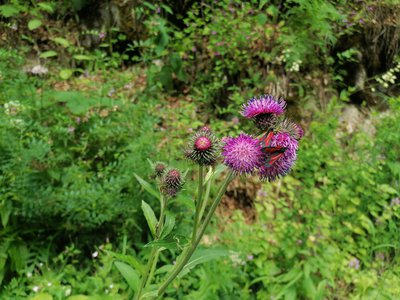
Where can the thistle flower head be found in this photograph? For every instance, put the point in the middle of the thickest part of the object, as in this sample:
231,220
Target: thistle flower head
264,110
293,129
203,148
283,164
243,154
171,182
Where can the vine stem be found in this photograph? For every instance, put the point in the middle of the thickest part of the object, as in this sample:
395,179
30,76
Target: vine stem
198,202
187,252
154,252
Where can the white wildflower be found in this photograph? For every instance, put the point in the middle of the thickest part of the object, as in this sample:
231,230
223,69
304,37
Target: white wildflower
39,70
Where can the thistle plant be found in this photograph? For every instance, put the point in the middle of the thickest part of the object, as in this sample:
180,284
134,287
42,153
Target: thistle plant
269,152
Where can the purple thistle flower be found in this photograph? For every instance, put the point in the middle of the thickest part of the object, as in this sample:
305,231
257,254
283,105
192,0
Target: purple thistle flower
264,110
243,154
213,32
102,35
283,165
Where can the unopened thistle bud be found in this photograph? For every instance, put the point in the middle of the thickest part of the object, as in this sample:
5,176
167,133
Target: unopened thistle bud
203,147
159,169
294,130
171,182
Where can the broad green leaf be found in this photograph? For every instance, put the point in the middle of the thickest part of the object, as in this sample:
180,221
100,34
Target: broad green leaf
131,276
8,10
66,73
46,7
5,211
34,24
82,57
62,41
147,186
48,54
150,217
168,243
202,256
164,269
168,225
309,287
43,296
288,287
129,259
261,19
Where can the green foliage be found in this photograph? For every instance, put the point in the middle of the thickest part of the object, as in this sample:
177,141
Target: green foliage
74,138
67,163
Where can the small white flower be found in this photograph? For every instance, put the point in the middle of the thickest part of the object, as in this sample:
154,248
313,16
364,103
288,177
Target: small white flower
95,254
111,286
106,291
49,284
40,265
29,274
68,292
35,289
39,70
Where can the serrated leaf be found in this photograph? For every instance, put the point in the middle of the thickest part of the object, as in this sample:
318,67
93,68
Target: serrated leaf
168,225
34,24
147,186
129,259
150,217
130,275
48,54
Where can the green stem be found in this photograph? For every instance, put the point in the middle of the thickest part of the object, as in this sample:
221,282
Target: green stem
153,268
187,252
153,254
205,200
198,202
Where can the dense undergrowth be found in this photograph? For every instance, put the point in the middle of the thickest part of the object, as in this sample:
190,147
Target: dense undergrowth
73,135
